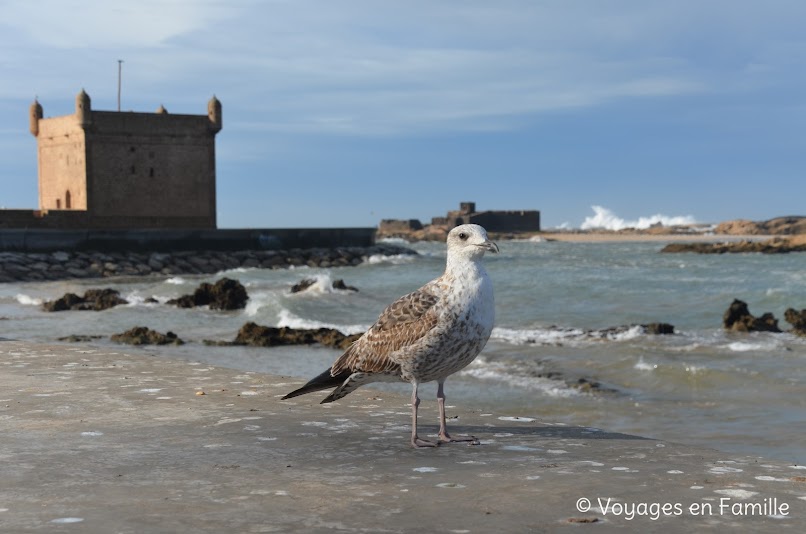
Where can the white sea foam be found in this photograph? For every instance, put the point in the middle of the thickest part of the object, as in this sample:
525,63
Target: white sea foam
556,335
539,336
641,365
176,280
513,375
747,346
394,241
28,301
394,259
604,219
286,318
259,300
323,284
135,298
631,333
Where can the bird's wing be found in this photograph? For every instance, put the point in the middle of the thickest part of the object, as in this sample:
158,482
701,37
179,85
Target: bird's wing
402,324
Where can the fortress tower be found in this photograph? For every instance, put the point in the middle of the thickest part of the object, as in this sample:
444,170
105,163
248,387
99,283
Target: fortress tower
126,169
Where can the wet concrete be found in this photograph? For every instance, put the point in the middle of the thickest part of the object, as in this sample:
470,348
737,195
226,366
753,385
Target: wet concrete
94,440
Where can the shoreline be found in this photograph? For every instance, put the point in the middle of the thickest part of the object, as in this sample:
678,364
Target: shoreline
158,444
583,237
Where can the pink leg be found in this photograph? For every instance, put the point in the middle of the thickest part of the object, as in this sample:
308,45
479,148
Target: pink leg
416,442
443,430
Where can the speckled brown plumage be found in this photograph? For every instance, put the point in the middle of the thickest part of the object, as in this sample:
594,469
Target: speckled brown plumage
425,335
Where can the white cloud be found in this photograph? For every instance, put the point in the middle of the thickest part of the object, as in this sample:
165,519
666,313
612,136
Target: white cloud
362,66
75,24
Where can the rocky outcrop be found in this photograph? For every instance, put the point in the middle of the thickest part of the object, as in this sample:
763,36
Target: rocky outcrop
778,226
776,245
738,318
79,338
797,319
23,266
306,283
141,335
653,329
255,335
93,299
225,294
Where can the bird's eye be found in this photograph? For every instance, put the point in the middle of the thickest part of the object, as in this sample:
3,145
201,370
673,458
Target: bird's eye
462,236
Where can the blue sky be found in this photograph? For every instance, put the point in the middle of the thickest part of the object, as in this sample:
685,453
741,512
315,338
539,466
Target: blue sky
344,112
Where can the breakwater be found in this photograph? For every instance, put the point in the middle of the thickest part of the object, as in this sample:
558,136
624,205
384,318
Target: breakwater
59,265
169,240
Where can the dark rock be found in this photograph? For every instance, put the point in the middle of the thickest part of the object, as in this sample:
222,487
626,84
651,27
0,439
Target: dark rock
225,294
256,335
102,299
776,245
650,329
590,386
66,302
660,329
302,285
797,319
339,284
93,299
140,335
739,319
79,338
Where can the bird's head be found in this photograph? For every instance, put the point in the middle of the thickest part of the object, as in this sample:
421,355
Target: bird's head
470,241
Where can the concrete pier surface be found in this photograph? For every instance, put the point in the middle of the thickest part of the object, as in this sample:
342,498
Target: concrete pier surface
122,441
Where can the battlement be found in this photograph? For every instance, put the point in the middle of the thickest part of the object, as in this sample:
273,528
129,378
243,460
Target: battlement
118,167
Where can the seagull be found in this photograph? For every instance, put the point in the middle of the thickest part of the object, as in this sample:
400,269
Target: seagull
423,336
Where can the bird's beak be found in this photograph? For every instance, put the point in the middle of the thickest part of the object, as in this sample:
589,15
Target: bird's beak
491,246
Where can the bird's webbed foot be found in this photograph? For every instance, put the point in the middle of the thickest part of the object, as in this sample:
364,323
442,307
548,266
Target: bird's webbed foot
419,443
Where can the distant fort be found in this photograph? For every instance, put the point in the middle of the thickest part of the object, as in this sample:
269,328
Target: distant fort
512,221
123,170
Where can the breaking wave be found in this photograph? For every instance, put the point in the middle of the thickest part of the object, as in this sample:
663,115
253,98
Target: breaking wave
604,219
555,335
287,318
518,375
26,300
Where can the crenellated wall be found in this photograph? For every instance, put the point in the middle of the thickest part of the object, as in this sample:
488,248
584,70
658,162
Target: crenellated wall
125,169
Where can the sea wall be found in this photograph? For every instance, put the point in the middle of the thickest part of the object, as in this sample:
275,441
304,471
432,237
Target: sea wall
59,265
147,240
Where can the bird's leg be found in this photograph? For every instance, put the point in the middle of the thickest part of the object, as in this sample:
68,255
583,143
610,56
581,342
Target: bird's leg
443,430
416,442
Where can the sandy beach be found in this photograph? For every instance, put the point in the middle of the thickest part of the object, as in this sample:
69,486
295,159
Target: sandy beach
102,441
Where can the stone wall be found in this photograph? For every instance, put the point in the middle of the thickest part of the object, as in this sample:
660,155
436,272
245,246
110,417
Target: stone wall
124,169
34,240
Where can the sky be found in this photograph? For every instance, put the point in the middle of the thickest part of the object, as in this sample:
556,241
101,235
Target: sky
346,112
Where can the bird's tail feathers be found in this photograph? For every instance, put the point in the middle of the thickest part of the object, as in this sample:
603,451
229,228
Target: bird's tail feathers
347,387
320,382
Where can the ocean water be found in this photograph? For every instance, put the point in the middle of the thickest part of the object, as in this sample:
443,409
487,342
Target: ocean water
554,302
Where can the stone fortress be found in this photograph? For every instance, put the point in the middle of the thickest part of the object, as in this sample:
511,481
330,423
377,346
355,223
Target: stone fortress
123,170
511,221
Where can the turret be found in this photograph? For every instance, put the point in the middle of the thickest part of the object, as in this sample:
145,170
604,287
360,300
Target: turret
35,115
83,109
214,113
